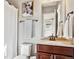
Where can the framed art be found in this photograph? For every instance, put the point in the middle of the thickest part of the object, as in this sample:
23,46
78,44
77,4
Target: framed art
27,8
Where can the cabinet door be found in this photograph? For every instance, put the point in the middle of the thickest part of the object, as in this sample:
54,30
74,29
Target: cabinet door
62,57
44,56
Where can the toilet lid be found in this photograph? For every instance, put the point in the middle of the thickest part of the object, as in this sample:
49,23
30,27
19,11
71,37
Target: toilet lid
21,57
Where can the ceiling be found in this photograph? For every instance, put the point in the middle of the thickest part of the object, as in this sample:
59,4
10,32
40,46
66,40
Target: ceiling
16,2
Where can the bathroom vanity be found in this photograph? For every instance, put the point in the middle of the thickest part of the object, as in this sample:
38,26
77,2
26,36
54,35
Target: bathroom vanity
54,52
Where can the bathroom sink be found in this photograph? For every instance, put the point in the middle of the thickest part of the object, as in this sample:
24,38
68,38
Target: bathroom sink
62,40
55,43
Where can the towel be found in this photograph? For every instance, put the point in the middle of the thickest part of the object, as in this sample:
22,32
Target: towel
71,26
27,29
65,29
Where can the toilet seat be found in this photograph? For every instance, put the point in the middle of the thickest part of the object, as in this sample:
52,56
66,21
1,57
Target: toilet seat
21,57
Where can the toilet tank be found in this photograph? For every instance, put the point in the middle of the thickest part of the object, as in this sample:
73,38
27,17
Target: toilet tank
26,49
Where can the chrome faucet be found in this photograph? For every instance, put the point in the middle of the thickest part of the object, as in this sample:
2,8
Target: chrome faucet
52,38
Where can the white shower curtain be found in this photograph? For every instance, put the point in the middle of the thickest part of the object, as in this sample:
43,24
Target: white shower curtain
10,31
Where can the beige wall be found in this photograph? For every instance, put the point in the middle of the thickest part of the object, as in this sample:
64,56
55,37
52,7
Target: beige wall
69,6
13,2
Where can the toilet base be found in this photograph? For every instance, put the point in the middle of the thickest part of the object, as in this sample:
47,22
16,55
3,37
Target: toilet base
21,57
32,57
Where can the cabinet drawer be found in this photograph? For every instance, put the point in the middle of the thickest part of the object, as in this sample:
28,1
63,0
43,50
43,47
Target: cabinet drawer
44,48
63,50
43,56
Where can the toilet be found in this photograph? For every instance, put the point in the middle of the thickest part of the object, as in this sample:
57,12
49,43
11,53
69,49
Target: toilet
25,52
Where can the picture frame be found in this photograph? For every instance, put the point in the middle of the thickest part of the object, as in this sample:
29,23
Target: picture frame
27,8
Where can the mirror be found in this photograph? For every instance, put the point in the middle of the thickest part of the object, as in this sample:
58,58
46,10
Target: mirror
58,18
50,17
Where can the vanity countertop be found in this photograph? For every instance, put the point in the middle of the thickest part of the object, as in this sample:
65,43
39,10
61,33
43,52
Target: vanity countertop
48,42
55,43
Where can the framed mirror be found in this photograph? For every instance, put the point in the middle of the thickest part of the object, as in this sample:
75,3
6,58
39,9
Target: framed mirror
51,16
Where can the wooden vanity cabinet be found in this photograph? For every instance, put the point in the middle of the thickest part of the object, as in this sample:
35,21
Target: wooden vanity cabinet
54,52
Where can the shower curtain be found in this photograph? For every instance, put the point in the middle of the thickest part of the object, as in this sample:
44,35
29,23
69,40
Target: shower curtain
10,31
